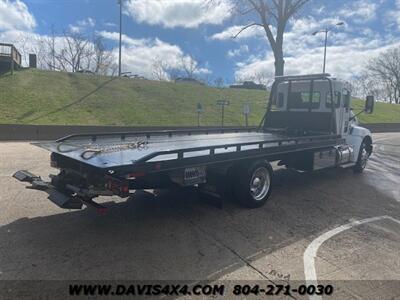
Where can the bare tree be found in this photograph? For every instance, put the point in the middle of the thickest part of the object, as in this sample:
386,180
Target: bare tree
46,51
22,42
386,68
31,43
262,78
160,70
51,43
74,53
272,16
219,82
103,58
366,85
68,52
189,66
257,77
174,73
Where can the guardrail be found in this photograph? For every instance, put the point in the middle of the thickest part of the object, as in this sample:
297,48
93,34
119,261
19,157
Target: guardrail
383,127
16,132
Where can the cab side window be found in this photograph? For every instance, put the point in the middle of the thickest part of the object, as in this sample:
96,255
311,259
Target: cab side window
337,98
281,97
346,99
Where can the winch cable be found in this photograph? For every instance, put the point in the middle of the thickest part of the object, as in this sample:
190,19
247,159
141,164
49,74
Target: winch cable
91,150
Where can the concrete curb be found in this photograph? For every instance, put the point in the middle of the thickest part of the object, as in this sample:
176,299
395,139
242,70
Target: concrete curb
16,132
383,127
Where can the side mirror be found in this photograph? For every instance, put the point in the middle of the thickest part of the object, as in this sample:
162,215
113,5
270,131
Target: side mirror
369,105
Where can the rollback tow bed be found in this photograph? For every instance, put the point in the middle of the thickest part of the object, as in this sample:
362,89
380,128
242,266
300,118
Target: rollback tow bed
307,127
115,164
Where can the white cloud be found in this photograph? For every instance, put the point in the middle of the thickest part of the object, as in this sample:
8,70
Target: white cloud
139,55
110,24
394,16
342,62
114,36
238,52
15,15
74,28
348,51
319,10
300,36
230,32
179,13
90,22
360,11
82,25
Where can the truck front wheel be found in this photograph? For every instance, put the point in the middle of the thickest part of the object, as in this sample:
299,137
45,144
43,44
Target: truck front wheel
252,186
363,156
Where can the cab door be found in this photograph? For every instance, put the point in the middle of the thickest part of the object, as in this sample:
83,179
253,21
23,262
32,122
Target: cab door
337,108
345,111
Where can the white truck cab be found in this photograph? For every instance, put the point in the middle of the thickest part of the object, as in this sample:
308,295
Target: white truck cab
319,104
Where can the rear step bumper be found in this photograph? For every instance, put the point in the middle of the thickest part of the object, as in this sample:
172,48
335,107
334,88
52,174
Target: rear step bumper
57,197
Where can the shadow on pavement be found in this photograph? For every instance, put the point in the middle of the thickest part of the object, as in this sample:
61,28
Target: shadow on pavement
175,235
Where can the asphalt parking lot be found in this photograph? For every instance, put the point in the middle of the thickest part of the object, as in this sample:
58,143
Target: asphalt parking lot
331,225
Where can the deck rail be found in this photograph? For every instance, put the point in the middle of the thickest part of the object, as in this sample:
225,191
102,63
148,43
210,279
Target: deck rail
148,134
238,147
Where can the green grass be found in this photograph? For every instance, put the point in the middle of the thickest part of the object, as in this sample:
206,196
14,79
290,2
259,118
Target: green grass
39,97
383,112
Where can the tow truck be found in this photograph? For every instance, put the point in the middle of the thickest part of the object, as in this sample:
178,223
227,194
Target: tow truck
308,126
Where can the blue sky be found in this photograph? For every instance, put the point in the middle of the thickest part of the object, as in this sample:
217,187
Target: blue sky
170,30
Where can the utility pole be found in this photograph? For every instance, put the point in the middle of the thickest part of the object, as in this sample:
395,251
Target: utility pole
326,44
326,30
246,112
222,104
199,111
120,38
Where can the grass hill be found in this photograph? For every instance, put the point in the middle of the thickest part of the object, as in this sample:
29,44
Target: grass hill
45,97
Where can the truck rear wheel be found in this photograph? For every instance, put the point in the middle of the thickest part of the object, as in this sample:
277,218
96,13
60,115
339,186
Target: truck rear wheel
253,185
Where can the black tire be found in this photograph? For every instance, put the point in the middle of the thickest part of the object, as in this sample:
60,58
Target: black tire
363,156
253,184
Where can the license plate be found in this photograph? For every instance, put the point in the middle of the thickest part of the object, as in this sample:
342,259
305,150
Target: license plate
194,175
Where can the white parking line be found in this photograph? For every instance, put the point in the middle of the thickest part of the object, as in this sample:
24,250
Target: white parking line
311,251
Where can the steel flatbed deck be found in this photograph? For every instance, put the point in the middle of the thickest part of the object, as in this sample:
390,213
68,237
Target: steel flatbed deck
175,149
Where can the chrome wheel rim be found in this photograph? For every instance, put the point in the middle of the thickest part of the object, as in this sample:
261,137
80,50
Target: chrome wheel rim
260,183
364,157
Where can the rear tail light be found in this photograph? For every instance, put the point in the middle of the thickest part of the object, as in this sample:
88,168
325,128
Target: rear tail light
124,189
135,175
53,162
118,187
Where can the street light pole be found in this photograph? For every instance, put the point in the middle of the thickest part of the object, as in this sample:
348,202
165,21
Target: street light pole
326,30
120,38
326,44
